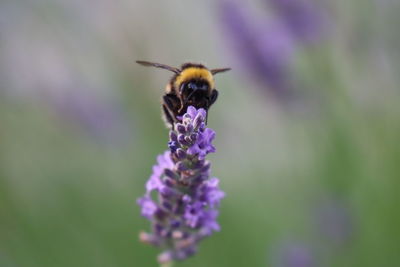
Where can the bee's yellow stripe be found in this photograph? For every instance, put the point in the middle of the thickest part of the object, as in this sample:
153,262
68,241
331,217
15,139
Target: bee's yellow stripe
193,72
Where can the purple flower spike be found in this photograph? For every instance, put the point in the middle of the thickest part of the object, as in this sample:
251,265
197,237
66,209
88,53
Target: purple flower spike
304,18
264,47
188,199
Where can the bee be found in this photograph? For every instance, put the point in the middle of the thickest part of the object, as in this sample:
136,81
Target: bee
191,85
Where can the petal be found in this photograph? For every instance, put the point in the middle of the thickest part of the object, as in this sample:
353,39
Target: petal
192,112
148,207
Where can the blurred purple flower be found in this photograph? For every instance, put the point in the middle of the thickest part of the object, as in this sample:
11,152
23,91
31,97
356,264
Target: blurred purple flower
100,118
304,18
334,221
36,66
264,48
186,208
293,254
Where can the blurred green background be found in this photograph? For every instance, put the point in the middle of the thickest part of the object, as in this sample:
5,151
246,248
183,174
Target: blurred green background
311,180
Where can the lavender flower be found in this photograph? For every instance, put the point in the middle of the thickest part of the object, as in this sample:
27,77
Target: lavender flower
266,47
263,47
185,211
101,118
303,18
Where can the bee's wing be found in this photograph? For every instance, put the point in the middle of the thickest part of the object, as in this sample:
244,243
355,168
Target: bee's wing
215,71
158,65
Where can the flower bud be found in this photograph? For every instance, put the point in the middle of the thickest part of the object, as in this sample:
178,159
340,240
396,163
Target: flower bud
180,128
181,154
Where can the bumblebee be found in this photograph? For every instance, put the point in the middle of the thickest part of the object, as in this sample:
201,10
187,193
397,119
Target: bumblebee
191,85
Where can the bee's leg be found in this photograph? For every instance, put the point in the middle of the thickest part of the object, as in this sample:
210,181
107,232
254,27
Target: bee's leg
167,117
170,106
210,101
213,97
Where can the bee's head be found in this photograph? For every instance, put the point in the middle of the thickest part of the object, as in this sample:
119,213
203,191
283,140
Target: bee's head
192,85
195,91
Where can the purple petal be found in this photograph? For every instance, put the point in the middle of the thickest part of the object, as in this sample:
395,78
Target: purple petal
148,207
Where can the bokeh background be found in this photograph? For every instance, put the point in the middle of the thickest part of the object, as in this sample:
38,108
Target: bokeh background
307,122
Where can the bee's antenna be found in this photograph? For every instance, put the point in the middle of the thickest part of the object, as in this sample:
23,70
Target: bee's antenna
158,65
215,71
